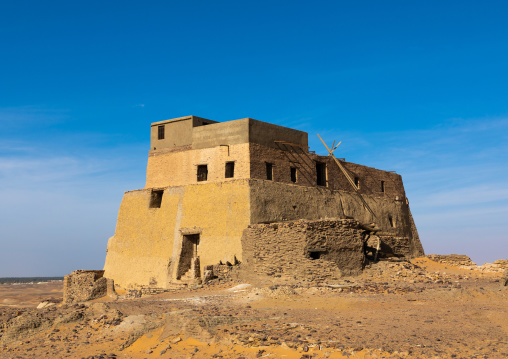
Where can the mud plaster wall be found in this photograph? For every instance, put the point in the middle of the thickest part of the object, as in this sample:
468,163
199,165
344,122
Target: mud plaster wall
266,134
224,133
282,250
277,202
177,168
177,132
305,162
147,241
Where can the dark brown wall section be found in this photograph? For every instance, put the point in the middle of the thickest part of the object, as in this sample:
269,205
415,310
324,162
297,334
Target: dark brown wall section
288,156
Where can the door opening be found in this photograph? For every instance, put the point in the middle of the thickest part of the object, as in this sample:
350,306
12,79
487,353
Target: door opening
188,263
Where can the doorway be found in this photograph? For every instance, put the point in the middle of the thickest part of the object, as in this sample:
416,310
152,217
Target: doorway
188,263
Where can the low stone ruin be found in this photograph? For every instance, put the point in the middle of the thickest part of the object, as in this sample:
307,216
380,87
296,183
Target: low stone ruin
457,260
84,285
504,279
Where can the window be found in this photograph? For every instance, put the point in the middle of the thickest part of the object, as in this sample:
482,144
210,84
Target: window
321,173
156,198
357,182
269,171
392,222
230,169
293,174
316,253
160,132
202,173
383,186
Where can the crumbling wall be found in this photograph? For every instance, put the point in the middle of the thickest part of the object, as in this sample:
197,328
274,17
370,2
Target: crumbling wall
84,285
277,202
303,251
452,259
393,246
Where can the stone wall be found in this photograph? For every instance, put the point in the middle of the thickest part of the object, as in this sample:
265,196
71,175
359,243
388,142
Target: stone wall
303,251
278,202
452,259
84,285
371,181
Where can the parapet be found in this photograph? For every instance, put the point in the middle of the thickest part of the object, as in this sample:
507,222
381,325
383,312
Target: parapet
192,132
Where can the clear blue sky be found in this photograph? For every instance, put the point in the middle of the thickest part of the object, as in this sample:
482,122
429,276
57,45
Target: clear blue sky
416,87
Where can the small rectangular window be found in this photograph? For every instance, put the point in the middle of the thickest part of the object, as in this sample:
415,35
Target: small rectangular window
317,253
383,186
357,182
269,171
230,169
392,222
160,132
156,198
321,173
293,174
202,173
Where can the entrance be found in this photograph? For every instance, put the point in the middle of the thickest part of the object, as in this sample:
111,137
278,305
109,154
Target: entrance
188,264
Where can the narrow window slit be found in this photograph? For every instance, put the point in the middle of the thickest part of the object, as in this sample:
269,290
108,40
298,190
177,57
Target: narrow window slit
269,171
321,173
293,174
392,222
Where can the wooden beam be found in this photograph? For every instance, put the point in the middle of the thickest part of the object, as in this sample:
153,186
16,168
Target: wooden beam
351,182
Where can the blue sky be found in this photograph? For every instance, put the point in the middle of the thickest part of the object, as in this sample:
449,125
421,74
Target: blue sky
415,87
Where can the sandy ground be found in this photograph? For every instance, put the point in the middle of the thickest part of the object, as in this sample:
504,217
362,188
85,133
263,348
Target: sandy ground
417,309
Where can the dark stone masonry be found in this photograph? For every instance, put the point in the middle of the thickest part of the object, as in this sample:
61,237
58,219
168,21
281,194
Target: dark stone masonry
301,251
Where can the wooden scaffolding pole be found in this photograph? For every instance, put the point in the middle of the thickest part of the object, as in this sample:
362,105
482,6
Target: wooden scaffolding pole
350,180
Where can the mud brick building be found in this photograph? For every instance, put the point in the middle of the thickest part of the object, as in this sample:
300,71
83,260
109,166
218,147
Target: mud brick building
215,192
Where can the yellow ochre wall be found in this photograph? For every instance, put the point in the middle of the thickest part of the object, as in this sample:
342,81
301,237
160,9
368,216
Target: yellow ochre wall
147,242
179,168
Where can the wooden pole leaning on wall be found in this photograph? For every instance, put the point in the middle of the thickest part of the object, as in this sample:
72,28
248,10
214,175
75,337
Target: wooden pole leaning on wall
350,180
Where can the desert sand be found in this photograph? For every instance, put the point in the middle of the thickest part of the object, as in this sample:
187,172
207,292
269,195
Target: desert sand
395,309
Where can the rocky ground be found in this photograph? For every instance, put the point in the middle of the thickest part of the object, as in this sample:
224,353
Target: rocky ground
440,308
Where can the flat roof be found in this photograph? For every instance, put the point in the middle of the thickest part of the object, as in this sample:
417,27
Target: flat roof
172,120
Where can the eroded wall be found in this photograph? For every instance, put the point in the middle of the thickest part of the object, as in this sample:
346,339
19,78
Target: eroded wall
300,251
277,202
147,243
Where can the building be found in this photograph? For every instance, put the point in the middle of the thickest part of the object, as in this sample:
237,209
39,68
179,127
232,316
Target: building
208,182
